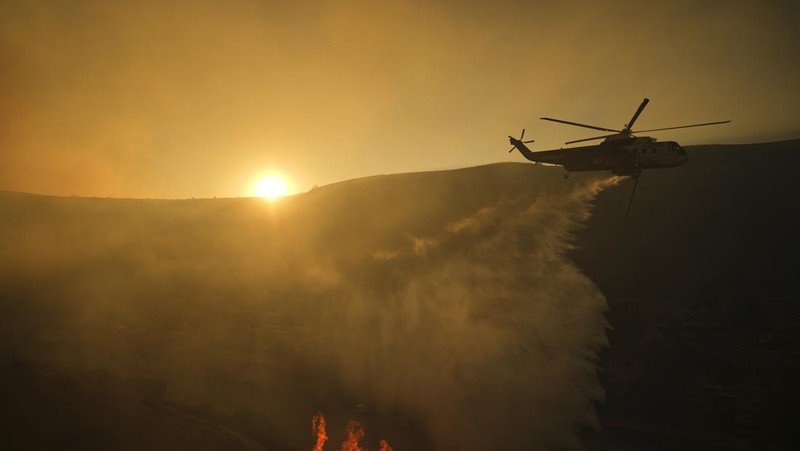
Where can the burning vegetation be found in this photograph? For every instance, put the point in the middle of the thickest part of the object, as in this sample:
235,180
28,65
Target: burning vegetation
355,432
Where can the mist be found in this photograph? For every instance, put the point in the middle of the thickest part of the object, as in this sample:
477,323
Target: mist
512,326
439,309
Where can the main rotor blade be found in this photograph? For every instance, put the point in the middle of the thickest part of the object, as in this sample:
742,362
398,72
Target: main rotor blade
526,142
580,125
590,139
637,113
681,126
512,149
522,135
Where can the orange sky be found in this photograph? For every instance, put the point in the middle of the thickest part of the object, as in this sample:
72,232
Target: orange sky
194,98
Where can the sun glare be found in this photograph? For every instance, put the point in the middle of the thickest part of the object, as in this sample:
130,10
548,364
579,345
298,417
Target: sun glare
270,187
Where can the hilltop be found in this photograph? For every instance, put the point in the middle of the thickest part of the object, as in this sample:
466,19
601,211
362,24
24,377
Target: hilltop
218,323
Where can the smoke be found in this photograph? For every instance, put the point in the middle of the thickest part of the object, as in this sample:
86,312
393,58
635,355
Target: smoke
438,316
485,327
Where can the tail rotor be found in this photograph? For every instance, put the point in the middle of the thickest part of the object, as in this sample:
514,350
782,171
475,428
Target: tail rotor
516,142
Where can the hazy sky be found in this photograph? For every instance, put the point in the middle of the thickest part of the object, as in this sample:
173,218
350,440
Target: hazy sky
196,98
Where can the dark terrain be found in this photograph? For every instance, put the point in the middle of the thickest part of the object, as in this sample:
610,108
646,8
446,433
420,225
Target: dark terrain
211,324
703,288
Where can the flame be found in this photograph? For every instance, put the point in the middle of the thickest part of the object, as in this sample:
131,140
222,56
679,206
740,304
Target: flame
354,434
318,431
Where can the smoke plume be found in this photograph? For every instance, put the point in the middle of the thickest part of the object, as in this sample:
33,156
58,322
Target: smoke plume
483,327
440,311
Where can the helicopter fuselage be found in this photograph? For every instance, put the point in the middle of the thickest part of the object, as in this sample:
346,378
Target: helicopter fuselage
621,156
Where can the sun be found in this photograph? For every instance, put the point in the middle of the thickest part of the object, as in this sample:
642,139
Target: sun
270,187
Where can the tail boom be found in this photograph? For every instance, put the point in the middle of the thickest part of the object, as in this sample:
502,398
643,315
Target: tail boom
523,149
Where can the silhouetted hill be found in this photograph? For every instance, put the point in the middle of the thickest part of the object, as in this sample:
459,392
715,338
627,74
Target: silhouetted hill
696,279
407,301
718,229
727,214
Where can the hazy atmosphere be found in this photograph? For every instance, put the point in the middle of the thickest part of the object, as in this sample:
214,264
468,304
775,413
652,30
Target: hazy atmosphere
199,98
267,225
436,319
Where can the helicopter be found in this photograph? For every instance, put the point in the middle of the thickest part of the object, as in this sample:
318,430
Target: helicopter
621,152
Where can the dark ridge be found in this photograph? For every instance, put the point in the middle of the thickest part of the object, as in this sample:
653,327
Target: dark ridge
704,296
701,282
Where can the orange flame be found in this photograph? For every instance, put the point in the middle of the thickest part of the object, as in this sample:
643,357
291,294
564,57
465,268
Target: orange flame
354,433
318,431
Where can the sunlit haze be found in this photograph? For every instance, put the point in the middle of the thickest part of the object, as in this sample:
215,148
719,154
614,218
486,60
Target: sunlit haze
182,99
270,187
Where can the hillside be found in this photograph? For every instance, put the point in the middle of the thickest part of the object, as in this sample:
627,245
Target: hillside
429,306
703,291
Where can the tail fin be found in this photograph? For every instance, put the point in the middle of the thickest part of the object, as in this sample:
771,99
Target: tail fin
519,144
